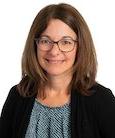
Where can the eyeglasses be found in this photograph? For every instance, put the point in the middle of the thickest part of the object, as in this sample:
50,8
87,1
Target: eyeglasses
64,45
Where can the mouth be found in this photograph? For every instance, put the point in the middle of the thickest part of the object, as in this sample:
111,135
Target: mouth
54,61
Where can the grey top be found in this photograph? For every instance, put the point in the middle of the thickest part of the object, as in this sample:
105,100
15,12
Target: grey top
49,122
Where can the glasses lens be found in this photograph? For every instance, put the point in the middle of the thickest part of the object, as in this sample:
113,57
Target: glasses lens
44,44
66,45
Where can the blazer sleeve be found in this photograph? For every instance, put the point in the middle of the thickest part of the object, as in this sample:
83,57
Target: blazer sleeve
8,113
106,113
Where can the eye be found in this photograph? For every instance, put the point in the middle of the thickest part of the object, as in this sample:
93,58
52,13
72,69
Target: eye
66,42
44,41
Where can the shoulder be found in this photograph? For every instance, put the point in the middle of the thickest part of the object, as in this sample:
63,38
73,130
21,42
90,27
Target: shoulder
11,100
14,110
100,95
13,94
15,102
9,105
100,92
104,104
97,91
14,91
101,98
100,89
99,108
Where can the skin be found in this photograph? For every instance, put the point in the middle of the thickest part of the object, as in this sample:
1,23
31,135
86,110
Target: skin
57,64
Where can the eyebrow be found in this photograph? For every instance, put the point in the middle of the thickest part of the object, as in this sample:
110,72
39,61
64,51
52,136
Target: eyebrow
61,38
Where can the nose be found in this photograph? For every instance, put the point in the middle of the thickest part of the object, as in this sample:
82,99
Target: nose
55,49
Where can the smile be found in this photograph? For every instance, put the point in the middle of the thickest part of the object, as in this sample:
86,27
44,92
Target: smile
54,61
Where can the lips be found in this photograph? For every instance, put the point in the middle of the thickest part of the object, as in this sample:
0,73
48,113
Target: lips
54,61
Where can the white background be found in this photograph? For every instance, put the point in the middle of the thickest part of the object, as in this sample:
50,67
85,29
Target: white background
16,17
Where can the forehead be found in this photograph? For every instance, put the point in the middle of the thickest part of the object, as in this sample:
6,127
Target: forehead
57,29
43,37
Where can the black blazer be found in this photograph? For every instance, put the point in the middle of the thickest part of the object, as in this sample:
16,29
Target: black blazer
91,116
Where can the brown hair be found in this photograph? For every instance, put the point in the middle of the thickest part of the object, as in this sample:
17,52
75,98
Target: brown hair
85,67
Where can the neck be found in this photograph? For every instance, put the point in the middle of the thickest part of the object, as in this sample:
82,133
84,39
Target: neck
58,84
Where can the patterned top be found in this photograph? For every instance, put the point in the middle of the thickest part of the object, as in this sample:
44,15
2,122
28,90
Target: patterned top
49,122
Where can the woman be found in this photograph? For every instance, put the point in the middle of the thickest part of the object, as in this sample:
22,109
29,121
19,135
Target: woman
58,95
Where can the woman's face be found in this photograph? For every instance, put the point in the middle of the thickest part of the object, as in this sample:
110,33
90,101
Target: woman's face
54,61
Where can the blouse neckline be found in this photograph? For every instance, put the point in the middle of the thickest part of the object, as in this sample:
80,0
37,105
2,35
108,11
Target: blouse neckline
52,107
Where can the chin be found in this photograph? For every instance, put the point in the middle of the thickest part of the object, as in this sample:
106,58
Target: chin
54,73
57,72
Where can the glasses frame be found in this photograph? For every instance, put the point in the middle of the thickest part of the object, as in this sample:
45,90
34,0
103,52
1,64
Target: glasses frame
56,42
